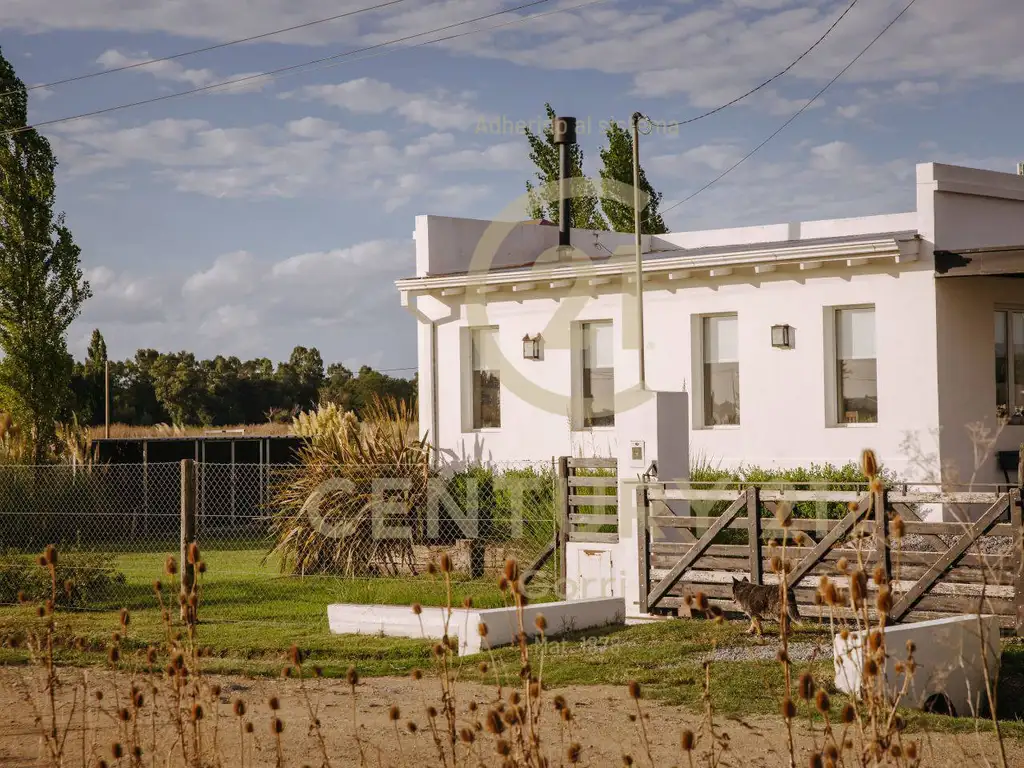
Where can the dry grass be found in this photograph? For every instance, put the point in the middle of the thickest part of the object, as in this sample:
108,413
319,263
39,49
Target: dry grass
266,429
167,712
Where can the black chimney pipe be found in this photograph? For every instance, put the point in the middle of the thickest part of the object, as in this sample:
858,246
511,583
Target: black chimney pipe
564,130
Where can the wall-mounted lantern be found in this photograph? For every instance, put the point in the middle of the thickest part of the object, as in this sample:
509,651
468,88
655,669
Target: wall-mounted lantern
782,337
531,347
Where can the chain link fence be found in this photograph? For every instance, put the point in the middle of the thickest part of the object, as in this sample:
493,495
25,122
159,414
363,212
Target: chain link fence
272,536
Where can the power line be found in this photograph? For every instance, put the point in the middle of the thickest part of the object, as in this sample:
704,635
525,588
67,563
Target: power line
797,114
492,27
323,60
770,80
208,48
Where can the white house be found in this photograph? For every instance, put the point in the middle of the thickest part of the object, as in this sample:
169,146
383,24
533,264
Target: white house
905,334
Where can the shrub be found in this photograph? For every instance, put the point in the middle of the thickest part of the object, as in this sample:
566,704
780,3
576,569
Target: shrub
91,575
320,529
825,477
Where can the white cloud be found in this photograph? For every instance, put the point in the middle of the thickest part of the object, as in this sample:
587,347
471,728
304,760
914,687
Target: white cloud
716,157
164,70
122,297
241,304
229,320
228,275
172,70
834,156
507,156
366,95
303,156
703,51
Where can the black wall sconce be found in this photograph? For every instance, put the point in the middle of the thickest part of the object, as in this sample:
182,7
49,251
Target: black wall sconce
531,347
782,337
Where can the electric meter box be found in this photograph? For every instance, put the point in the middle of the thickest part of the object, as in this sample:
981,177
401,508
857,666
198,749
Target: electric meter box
637,454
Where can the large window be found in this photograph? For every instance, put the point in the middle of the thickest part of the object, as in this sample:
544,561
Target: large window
1010,365
598,375
721,372
856,367
486,385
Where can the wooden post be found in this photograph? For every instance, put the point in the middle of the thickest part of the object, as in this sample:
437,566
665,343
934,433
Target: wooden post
106,399
882,533
562,523
754,534
642,550
188,527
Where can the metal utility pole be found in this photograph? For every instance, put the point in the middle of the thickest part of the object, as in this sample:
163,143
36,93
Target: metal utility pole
637,117
106,399
564,135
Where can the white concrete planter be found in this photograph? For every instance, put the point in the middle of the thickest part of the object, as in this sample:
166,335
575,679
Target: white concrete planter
502,624
948,653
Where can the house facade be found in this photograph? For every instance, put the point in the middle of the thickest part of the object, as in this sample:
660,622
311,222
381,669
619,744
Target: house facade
797,343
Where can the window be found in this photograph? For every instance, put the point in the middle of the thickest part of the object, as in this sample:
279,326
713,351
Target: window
486,385
598,375
1009,354
721,371
856,368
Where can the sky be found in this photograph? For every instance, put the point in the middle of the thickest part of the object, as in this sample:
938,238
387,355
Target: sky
279,212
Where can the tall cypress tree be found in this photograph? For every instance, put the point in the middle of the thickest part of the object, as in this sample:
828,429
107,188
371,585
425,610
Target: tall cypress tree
543,198
41,285
617,159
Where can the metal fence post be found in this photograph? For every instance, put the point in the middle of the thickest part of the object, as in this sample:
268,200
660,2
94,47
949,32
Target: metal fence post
562,524
642,548
188,527
1018,559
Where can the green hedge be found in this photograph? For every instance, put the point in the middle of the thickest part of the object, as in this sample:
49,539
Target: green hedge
820,477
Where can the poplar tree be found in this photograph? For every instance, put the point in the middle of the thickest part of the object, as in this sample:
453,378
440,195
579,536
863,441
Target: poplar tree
41,284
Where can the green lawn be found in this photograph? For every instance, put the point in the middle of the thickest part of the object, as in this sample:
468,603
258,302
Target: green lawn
250,615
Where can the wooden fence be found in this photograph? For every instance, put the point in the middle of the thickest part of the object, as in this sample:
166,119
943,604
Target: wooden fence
587,497
935,568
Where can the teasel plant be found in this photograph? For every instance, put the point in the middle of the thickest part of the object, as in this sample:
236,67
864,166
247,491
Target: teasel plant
40,644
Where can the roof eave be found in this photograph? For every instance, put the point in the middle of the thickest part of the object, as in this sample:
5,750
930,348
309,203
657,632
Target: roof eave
901,248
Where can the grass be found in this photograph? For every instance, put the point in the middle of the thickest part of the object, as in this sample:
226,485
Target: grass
250,616
251,613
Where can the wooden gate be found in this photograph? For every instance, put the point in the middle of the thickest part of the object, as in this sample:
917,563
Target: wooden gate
935,569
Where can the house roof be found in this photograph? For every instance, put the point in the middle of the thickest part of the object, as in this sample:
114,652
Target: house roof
679,264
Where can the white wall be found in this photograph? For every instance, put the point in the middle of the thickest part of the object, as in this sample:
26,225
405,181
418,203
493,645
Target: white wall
782,392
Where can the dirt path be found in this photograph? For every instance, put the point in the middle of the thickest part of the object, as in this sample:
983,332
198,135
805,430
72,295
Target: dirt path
602,726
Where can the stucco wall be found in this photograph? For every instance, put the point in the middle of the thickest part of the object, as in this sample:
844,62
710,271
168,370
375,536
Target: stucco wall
782,392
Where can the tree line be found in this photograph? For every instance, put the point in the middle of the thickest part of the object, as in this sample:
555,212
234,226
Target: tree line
178,388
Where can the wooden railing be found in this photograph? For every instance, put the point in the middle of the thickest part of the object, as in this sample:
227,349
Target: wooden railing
935,568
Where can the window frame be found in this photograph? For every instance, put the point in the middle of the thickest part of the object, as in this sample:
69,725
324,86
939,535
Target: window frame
578,346
698,357
1014,410
833,381
471,334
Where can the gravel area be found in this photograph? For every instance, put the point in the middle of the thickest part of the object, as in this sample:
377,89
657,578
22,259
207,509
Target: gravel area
987,545
766,650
